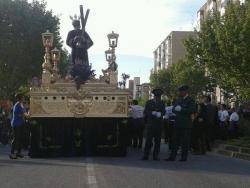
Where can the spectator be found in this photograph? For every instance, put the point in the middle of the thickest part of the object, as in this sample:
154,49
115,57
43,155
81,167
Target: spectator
17,123
169,119
234,123
137,124
223,117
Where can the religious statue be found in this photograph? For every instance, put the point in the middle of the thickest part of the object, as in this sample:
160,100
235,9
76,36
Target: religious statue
79,41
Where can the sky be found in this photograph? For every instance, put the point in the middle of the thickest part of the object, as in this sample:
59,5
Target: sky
141,24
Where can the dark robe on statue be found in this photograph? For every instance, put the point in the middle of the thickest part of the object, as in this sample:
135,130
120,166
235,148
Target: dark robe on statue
79,44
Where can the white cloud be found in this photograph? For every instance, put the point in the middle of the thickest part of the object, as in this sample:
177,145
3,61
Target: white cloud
142,24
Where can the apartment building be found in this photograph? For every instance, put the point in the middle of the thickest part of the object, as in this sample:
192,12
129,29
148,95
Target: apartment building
210,6
136,91
171,50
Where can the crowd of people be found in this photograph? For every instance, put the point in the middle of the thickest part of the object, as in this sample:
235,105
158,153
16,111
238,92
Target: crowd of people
182,123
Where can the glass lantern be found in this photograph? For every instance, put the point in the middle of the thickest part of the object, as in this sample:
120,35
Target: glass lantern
109,55
113,39
56,54
47,38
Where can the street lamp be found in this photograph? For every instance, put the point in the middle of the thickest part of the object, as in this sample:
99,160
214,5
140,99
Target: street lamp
113,39
109,55
56,55
47,38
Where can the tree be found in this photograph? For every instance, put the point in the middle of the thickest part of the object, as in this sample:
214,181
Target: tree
164,80
193,75
21,49
183,72
222,47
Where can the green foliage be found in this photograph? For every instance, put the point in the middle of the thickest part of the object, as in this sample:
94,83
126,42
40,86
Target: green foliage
164,79
223,47
184,72
142,101
21,49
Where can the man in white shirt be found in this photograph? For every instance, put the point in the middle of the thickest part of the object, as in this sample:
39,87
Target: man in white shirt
137,124
168,124
234,121
223,117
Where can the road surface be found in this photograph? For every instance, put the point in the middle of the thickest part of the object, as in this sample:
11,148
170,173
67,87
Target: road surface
210,171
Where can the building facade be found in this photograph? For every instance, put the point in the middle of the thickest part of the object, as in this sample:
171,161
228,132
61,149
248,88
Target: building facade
136,91
171,50
131,88
210,6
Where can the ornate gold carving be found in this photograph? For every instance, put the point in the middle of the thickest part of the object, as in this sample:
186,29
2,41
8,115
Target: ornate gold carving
79,108
37,108
91,100
79,103
121,98
120,108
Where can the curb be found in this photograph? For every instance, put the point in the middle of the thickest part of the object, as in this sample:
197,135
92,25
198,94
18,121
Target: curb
233,151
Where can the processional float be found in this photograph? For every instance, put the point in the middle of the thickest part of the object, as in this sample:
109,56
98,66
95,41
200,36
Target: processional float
78,114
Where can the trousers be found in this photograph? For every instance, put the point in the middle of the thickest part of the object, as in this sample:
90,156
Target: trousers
153,133
17,142
181,138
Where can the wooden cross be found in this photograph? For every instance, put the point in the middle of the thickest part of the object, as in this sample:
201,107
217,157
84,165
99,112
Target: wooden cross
84,19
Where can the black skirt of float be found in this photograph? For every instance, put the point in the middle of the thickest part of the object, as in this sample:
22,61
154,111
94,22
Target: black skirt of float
68,137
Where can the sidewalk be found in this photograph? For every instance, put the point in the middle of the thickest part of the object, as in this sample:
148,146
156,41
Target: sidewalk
233,151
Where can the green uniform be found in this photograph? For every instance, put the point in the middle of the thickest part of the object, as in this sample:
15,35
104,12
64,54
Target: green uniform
183,125
154,126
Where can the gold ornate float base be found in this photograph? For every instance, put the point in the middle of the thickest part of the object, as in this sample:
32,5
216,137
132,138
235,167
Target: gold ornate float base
91,100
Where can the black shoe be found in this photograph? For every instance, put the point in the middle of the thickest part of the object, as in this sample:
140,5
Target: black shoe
145,158
12,156
183,160
19,155
170,159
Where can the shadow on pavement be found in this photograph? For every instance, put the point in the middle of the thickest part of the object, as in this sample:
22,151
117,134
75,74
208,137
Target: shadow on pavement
210,163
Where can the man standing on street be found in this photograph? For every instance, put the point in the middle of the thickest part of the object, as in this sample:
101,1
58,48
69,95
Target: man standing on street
184,108
17,124
137,124
154,112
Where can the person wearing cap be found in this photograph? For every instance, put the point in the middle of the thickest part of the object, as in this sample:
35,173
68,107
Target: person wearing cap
184,108
154,112
17,124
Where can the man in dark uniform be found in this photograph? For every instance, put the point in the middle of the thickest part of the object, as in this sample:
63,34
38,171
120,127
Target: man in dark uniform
80,42
184,108
154,112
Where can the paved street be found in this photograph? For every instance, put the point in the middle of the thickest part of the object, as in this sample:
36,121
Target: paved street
201,171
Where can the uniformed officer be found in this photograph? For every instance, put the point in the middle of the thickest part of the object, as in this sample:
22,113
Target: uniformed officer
154,112
184,108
